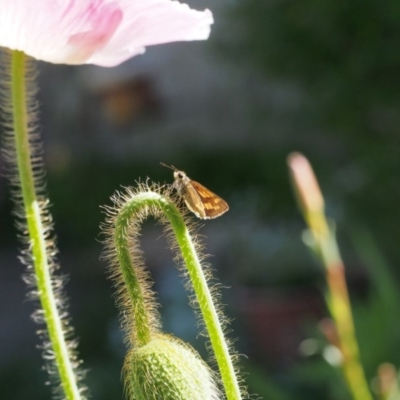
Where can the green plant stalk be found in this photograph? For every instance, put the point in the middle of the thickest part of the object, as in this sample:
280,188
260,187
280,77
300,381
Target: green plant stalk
35,229
142,325
339,303
199,282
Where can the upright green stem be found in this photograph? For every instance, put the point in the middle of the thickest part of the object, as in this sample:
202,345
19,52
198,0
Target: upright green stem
206,303
37,239
152,200
323,242
339,305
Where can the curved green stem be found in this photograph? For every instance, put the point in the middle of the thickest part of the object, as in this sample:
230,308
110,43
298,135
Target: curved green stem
142,314
36,231
155,200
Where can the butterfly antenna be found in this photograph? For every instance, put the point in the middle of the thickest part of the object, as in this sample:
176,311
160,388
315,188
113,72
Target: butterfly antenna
169,166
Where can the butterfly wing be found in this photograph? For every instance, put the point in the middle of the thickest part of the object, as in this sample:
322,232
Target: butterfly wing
212,205
193,201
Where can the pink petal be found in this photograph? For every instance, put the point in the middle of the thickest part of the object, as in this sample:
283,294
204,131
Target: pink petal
102,32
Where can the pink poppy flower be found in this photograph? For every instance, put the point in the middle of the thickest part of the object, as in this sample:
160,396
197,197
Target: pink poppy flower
102,32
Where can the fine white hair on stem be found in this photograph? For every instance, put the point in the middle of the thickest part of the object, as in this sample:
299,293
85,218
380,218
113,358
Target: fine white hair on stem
11,171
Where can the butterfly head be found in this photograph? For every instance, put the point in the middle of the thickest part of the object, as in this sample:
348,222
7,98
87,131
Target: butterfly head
180,176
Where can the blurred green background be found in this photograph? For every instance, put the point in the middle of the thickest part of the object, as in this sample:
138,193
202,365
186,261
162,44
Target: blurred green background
276,76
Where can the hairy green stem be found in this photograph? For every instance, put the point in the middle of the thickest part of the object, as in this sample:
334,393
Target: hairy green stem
142,315
37,236
196,274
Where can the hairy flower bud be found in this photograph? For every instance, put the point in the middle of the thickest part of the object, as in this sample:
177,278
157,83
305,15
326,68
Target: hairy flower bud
166,368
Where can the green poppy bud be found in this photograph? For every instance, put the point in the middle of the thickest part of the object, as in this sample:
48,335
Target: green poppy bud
168,369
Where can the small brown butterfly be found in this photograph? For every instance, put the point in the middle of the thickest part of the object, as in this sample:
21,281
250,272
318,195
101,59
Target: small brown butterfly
201,201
